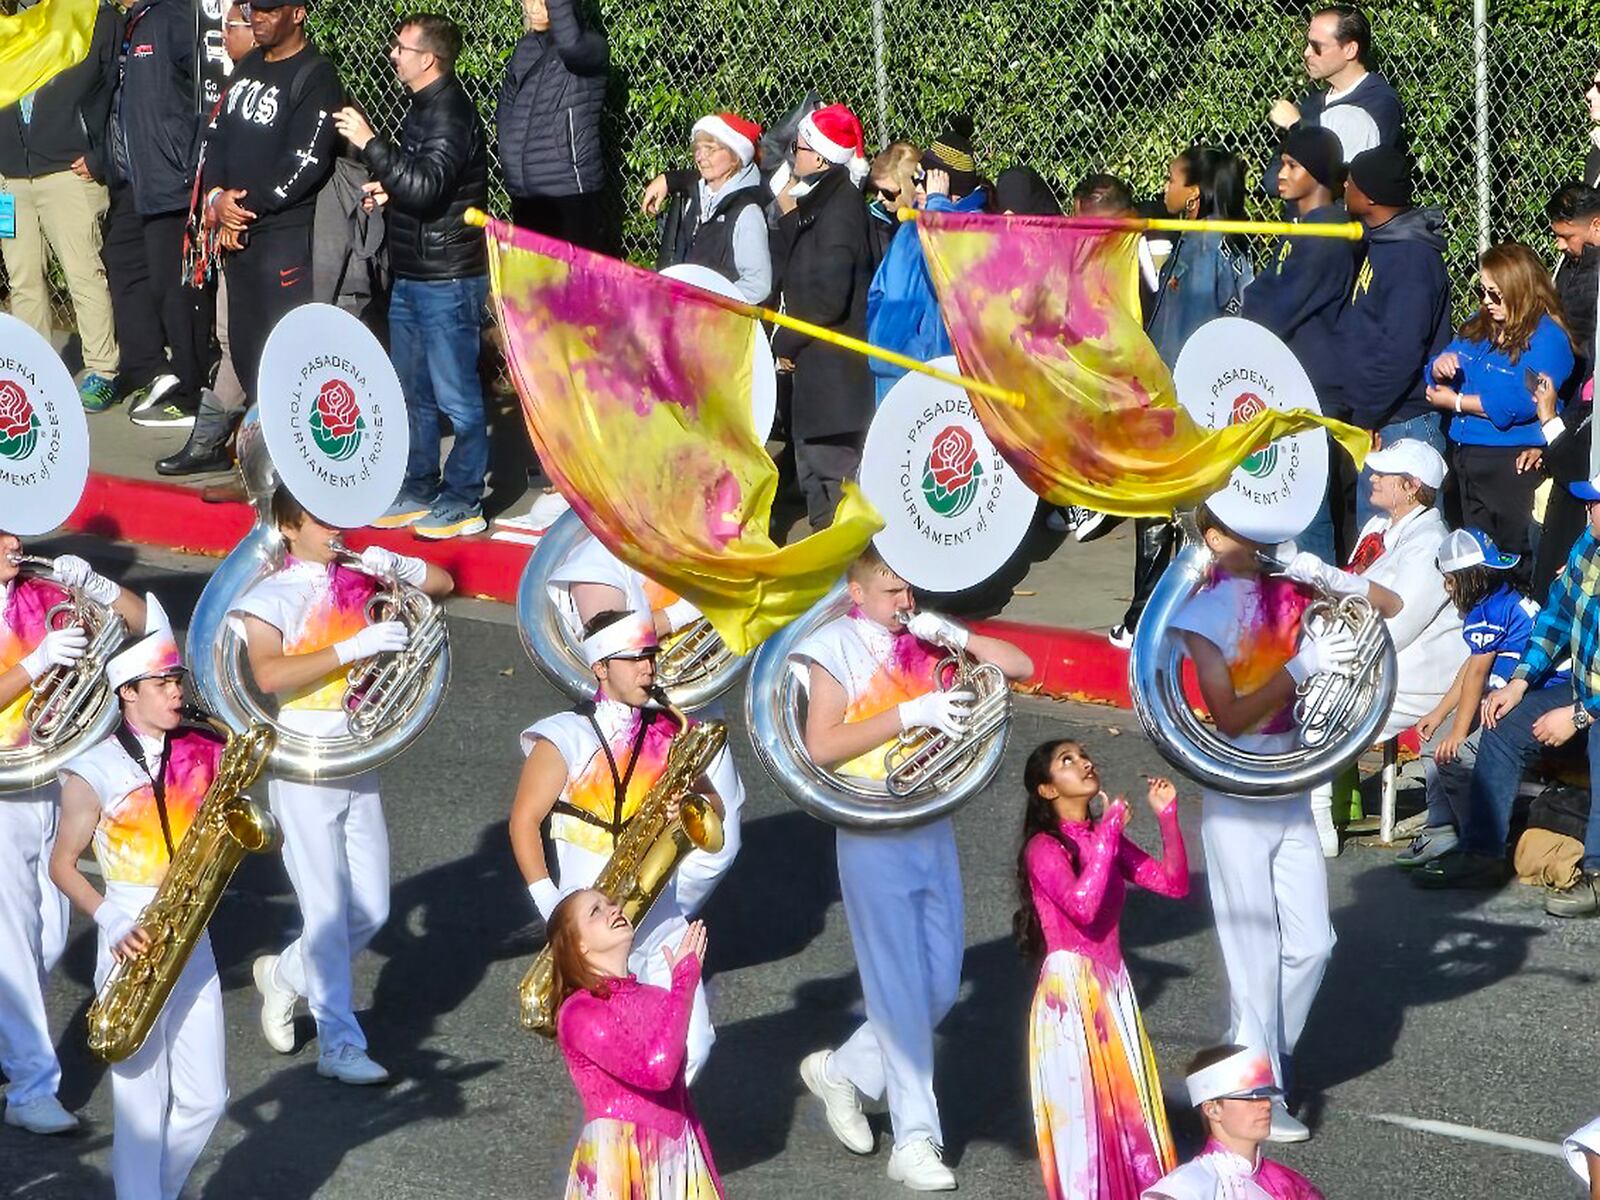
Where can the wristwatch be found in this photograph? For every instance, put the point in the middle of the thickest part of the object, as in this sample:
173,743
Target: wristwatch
1582,718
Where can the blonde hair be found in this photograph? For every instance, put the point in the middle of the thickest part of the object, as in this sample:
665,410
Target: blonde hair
898,161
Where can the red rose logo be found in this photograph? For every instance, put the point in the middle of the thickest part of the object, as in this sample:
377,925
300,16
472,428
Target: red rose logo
950,476
336,422
19,424
1246,407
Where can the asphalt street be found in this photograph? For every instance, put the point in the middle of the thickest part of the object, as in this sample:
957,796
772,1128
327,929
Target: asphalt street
1472,1009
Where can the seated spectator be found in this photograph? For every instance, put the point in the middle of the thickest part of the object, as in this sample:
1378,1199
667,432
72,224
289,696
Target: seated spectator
902,309
1482,380
716,217
891,183
1496,621
1393,568
1523,721
1233,1088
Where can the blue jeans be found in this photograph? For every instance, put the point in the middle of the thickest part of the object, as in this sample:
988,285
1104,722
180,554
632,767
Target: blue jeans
1504,752
1425,427
433,333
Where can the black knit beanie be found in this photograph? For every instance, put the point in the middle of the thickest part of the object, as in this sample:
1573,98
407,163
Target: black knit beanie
1319,152
1384,174
952,152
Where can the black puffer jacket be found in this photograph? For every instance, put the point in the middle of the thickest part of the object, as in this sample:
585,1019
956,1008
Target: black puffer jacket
69,113
548,118
438,171
155,117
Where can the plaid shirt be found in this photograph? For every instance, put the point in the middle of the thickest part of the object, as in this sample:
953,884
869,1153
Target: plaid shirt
1570,620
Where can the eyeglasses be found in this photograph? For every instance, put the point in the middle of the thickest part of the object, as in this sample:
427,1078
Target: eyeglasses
1485,292
237,24
396,44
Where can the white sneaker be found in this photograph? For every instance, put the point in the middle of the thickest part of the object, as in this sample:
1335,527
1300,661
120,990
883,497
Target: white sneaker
1285,1128
44,1115
546,509
155,393
350,1064
1121,637
919,1166
1091,524
841,1103
277,1005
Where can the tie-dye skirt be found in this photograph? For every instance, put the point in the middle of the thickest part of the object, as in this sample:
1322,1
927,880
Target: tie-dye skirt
618,1160
1097,1104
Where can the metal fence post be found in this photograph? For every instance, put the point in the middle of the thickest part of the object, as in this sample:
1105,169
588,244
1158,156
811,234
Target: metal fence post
1480,116
880,72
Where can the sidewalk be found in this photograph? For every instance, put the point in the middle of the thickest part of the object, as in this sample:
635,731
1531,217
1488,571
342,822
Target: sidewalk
1062,596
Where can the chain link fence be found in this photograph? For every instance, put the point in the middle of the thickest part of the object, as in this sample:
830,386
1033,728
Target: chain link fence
1065,86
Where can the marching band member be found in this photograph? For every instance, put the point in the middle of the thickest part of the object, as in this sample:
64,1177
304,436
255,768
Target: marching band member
871,675
1233,1088
303,627
1264,865
625,1043
1097,1106
133,797
33,913
588,771
591,581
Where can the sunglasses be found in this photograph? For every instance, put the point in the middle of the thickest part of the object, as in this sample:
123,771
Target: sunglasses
1485,292
888,195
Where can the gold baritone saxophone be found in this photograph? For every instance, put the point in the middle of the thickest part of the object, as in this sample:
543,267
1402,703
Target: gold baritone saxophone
226,828
647,852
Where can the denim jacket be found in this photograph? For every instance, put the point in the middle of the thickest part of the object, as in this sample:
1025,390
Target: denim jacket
1202,278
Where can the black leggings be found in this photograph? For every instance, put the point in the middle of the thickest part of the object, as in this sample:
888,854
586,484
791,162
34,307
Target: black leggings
271,275
1496,499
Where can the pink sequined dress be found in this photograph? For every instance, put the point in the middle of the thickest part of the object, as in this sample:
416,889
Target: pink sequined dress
625,1050
1097,1106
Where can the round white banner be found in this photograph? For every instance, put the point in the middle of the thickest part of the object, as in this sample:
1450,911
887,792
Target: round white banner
954,511
44,438
763,368
1229,371
333,415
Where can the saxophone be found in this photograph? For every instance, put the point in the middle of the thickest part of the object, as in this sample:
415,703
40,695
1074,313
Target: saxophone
226,827
647,852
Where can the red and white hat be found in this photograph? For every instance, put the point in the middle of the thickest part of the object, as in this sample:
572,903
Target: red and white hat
733,131
834,132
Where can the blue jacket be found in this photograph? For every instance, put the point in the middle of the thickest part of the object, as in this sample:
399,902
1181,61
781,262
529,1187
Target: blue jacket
1300,294
902,309
1489,374
1203,278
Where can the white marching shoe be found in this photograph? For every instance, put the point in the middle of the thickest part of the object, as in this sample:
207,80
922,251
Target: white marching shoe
350,1064
841,1103
1285,1128
920,1167
43,1115
277,1004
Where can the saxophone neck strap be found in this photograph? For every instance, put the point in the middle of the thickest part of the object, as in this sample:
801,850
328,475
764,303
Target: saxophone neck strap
130,743
620,781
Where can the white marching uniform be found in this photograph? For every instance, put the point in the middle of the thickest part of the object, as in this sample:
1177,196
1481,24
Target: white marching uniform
167,1098
901,891
590,562
585,820
1264,866
33,912
335,840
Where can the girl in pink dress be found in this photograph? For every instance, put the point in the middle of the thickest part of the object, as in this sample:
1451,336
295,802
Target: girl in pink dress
625,1043
1097,1104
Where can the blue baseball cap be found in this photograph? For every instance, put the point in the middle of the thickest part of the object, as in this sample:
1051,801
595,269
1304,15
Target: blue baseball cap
1586,489
1463,548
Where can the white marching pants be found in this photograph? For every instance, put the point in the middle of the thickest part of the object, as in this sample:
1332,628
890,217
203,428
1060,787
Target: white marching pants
167,1098
699,873
902,897
336,849
662,928
33,933
1269,893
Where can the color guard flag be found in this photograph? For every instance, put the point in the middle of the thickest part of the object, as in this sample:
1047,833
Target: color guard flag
39,43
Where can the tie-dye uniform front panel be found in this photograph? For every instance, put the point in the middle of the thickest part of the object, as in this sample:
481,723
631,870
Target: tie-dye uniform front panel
1256,625
878,670
22,628
128,843
590,788
313,606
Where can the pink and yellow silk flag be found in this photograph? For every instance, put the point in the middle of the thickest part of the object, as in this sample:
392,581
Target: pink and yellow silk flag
39,43
636,390
1050,308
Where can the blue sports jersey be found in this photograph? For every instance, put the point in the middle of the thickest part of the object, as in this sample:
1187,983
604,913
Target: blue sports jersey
1501,624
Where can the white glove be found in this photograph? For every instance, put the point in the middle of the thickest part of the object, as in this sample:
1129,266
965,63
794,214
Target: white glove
60,648
944,711
1322,652
546,895
76,573
404,567
374,639
115,923
941,631
680,614
1308,569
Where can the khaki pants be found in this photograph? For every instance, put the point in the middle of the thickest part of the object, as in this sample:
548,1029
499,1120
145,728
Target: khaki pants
66,212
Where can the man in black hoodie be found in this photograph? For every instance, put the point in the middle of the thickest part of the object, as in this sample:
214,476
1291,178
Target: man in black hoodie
1398,316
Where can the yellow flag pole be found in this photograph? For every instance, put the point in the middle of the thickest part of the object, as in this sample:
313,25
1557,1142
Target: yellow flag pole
1352,231
480,219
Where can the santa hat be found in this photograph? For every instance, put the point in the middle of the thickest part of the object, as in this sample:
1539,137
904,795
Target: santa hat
835,134
733,131
152,656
